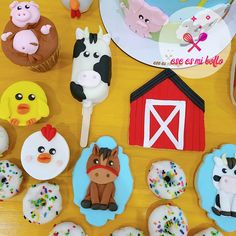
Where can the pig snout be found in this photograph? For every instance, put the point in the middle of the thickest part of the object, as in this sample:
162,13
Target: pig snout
23,15
89,79
228,184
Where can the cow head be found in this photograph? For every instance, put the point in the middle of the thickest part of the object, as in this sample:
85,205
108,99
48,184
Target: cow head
224,174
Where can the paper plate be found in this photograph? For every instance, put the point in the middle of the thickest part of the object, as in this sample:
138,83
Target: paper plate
159,53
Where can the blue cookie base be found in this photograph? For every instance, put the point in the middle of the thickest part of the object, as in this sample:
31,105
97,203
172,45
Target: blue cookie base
207,191
124,184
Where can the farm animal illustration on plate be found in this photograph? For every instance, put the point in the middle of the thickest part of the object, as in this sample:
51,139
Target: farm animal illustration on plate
224,177
45,154
142,18
91,73
77,7
23,103
103,168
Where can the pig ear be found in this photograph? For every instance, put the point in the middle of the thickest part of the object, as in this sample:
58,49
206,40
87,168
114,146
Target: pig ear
95,149
79,34
136,5
34,4
114,152
13,4
218,161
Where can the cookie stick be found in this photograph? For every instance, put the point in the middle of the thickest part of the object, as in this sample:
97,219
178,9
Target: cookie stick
233,80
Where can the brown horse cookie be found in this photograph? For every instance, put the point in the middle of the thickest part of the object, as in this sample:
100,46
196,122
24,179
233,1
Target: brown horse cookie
103,167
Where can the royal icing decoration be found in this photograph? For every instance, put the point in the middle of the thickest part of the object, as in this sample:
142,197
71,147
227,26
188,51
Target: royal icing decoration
45,154
102,181
10,179
209,232
23,103
4,141
167,180
166,113
42,203
218,193
91,73
167,220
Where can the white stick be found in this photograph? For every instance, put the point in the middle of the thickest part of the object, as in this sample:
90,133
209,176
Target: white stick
86,113
232,79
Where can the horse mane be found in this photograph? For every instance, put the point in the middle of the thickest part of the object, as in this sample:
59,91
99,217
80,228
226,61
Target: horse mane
106,152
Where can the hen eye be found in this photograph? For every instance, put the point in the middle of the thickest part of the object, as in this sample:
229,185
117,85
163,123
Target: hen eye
147,20
27,6
224,170
86,54
52,151
41,149
19,8
111,163
31,97
96,55
19,96
141,17
96,161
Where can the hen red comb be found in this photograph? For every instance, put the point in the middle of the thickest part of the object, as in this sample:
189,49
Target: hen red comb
48,132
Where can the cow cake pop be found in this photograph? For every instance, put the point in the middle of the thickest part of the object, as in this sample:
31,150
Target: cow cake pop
45,154
23,103
30,39
91,73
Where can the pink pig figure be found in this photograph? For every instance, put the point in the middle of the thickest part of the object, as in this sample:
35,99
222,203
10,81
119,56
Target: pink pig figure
143,19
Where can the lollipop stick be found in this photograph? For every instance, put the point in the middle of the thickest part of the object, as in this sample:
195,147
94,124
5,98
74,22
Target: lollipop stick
86,113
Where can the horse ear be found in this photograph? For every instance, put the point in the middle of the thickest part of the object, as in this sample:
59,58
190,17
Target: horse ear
95,149
114,152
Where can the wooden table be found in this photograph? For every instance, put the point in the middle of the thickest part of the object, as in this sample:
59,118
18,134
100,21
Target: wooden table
109,118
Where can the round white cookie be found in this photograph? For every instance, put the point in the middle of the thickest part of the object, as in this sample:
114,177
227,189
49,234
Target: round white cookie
127,231
45,154
42,203
167,180
209,232
4,141
10,179
167,220
67,229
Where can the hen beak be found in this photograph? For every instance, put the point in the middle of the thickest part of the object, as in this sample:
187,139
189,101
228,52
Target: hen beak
44,158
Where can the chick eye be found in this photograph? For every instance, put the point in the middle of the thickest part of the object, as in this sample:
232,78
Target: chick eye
27,6
96,161
19,96
41,149
141,17
224,170
147,20
86,54
111,163
52,151
19,8
31,97
96,55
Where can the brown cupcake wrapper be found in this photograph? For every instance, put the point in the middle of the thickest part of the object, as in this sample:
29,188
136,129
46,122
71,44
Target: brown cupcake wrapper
48,64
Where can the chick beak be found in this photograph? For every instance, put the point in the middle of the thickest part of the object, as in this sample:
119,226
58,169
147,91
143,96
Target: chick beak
44,158
23,109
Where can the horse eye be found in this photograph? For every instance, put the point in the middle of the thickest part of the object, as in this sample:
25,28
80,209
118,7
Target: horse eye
52,151
147,20
96,55
31,97
19,8
41,149
141,17
19,96
27,6
224,170
111,163
86,54
96,161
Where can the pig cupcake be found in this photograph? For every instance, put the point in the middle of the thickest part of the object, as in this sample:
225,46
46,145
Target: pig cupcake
29,39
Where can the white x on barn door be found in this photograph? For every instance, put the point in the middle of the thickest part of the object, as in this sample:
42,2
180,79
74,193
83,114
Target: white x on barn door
180,107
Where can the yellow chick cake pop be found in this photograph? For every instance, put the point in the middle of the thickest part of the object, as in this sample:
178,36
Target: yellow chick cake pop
23,103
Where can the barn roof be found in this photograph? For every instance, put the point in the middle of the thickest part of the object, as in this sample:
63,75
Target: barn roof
169,74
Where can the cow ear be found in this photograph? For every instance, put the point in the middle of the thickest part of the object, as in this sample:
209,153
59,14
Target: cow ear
218,161
95,149
13,4
34,4
107,39
114,152
79,34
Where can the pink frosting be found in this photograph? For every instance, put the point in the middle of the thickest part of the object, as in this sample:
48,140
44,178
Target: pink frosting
142,18
24,13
